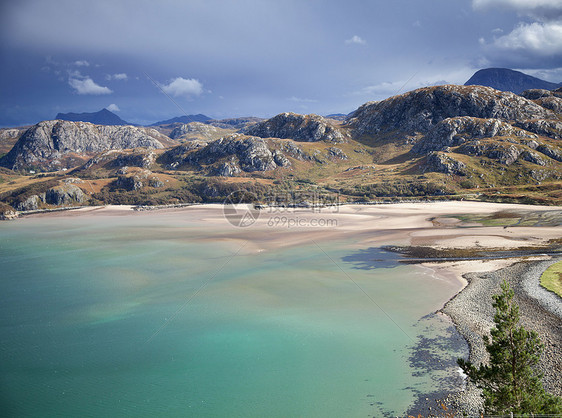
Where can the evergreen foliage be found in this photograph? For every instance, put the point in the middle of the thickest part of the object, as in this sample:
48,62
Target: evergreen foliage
510,381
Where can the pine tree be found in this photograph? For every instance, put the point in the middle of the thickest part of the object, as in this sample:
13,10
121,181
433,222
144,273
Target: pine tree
510,382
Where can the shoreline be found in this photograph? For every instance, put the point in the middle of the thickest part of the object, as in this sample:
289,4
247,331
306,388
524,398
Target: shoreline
472,313
410,224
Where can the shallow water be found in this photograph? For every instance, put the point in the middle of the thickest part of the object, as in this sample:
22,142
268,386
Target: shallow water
149,316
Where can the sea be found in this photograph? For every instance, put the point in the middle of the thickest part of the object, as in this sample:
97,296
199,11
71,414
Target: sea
148,315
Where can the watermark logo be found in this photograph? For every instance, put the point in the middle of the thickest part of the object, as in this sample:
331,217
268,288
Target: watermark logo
238,211
288,209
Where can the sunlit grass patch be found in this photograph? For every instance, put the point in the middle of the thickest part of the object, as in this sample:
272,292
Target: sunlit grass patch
551,279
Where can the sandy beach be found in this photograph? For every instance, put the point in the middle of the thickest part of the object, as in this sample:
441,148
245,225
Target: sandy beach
408,224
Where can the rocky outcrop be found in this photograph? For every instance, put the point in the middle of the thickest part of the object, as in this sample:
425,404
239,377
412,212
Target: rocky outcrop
534,94
142,158
335,153
309,128
443,163
452,132
420,110
548,99
549,128
235,123
9,133
137,179
7,212
194,130
293,150
47,144
227,169
30,203
250,153
228,156
504,153
65,195
550,151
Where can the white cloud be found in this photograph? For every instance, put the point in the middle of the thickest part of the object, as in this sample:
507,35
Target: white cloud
356,40
85,85
119,76
533,39
183,87
113,108
534,44
82,63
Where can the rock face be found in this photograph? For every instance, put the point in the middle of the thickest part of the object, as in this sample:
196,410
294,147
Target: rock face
456,131
251,153
504,153
549,128
188,130
234,123
64,195
420,110
442,163
228,156
48,143
136,179
508,80
310,128
140,157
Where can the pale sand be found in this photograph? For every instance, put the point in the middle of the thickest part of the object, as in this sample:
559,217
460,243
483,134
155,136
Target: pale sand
364,225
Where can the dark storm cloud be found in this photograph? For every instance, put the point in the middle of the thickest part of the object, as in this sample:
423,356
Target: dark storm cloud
226,58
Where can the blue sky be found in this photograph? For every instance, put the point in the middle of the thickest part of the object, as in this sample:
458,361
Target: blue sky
150,61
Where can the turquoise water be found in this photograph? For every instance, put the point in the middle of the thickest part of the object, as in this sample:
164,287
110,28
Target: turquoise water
141,316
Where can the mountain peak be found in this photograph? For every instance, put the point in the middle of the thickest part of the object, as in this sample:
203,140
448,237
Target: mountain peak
102,117
505,79
183,119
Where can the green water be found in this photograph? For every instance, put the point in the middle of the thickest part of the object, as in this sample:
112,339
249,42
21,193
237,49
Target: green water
140,316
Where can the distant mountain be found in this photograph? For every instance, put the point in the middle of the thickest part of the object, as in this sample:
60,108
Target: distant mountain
103,117
505,79
183,119
337,116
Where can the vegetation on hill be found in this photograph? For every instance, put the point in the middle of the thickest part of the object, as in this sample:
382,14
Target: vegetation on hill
442,142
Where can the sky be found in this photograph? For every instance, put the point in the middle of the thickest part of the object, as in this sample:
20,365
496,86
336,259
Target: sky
148,61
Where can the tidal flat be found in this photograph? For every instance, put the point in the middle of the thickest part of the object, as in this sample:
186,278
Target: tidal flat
178,312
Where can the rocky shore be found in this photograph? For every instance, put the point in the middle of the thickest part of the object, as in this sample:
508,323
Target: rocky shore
540,310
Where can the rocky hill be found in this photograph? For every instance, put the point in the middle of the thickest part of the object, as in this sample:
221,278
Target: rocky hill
102,117
234,123
197,130
309,128
508,80
420,110
60,144
228,156
437,142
